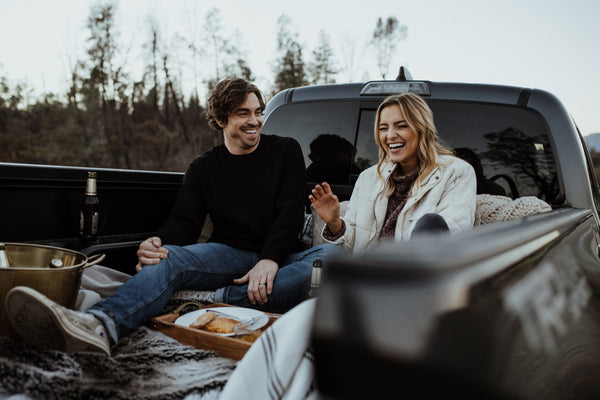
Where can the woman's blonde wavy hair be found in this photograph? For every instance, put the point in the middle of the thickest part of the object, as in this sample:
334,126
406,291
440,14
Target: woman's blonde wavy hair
419,117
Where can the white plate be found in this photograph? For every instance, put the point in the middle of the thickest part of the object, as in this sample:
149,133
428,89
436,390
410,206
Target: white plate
239,313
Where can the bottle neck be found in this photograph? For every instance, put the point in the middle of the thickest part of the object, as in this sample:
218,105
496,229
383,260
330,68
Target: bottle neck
90,187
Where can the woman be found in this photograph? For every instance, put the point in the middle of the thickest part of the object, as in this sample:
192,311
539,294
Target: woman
417,186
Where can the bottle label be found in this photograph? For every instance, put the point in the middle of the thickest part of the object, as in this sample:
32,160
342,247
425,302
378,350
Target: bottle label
95,223
92,228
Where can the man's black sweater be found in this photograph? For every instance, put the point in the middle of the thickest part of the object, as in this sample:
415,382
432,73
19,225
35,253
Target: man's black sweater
255,201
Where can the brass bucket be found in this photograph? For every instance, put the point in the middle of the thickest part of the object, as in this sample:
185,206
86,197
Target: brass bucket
52,271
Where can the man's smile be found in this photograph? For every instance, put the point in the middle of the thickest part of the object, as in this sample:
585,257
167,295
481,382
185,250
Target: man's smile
250,131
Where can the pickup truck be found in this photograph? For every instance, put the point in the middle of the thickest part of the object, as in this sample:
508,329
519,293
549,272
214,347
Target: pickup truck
506,310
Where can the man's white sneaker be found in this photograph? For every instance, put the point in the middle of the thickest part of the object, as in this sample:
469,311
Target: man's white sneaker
45,323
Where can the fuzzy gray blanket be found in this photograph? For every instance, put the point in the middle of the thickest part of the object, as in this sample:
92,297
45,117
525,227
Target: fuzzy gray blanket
144,365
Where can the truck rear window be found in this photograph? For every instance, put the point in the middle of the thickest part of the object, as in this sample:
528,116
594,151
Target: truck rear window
508,145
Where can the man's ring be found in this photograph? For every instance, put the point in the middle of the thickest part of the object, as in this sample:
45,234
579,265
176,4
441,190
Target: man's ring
262,283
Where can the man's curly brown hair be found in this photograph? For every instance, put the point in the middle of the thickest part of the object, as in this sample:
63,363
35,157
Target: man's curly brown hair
226,96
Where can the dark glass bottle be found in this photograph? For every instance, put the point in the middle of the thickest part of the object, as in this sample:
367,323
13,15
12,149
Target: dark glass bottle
90,205
315,278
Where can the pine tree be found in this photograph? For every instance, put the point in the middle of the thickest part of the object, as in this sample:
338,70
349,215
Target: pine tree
290,70
323,67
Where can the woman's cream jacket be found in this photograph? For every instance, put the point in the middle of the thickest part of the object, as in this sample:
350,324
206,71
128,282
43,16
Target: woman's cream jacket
449,190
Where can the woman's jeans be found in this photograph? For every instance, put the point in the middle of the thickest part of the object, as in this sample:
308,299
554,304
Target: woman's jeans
204,266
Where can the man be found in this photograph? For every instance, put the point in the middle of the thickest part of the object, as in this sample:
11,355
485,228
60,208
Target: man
253,188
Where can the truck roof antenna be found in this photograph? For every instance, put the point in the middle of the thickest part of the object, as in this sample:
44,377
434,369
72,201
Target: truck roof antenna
404,75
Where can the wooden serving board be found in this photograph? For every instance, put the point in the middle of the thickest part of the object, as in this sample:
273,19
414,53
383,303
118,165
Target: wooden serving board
226,346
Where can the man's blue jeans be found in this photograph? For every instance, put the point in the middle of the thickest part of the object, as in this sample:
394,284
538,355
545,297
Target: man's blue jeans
204,266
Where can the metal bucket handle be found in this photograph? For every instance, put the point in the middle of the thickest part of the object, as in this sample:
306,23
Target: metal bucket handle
93,260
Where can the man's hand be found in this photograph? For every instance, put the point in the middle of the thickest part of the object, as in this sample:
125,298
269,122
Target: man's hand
150,252
260,281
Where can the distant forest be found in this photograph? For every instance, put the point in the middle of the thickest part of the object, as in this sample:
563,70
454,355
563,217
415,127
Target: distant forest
110,119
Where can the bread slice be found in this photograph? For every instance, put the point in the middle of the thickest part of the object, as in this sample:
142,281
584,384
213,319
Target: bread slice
221,325
203,319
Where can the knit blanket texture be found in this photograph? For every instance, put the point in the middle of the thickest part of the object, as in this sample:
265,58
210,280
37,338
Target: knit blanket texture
492,208
145,365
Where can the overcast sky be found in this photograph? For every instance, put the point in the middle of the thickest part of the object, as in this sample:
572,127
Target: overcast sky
546,44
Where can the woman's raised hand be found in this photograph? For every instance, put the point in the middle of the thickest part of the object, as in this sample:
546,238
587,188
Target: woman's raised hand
327,205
